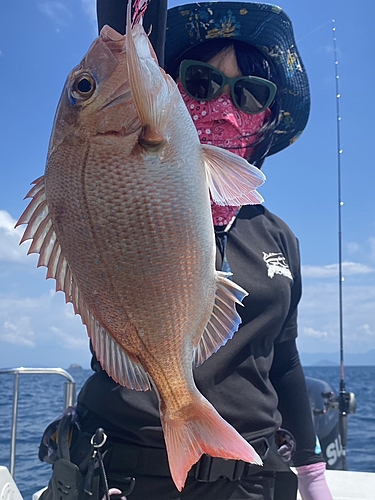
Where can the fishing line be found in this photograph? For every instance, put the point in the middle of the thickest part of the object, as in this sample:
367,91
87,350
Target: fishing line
298,41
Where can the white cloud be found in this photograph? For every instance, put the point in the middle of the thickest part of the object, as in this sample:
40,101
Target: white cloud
331,270
43,322
18,332
352,247
69,340
319,317
89,7
56,11
316,334
10,249
367,330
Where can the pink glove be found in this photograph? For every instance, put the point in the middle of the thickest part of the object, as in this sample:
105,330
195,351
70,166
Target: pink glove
312,483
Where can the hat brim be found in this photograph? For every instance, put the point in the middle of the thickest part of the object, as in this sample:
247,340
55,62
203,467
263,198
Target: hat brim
264,26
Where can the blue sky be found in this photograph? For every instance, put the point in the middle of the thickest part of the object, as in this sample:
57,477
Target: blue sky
41,41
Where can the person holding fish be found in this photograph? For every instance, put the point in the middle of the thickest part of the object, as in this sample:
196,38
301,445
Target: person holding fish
146,170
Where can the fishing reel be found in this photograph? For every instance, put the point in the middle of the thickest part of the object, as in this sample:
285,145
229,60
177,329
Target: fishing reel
345,402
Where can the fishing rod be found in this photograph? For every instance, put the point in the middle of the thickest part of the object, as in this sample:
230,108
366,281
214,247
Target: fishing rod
346,400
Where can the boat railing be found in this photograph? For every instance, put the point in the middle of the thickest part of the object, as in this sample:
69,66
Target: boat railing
69,398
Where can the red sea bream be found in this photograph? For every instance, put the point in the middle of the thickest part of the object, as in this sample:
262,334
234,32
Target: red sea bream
121,219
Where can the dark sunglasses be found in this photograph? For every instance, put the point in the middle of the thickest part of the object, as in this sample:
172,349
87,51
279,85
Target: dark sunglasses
203,82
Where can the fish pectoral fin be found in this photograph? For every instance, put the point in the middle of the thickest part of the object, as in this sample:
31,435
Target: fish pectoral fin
152,89
224,320
118,364
231,179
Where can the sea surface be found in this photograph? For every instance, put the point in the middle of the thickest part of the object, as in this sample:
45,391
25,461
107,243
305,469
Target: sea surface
41,401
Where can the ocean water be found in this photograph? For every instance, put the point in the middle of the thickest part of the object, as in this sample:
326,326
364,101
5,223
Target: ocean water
361,425
41,401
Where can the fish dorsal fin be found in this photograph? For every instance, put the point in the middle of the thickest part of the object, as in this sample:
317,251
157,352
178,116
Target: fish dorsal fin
111,356
231,179
115,361
224,321
44,241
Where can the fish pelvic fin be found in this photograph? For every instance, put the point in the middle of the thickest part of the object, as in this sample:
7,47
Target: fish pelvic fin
152,89
231,179
224,320
205,433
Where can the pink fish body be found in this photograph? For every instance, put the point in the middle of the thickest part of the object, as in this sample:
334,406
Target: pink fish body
122,221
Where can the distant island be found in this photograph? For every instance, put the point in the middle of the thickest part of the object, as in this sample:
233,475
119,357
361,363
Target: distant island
74,366
333,358
325,362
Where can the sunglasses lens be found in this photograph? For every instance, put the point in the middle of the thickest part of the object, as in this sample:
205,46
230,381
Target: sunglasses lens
251,96
202,82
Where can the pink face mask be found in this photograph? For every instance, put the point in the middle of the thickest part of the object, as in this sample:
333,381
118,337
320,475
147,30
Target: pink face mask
221,124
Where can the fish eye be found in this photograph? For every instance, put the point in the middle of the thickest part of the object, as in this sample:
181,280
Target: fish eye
83,86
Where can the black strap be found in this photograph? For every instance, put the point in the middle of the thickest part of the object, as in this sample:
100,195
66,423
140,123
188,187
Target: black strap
209,469
136,460
64,434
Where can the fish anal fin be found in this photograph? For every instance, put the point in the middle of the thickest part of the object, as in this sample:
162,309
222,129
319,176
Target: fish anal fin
224,320
121,366
206,432
231,179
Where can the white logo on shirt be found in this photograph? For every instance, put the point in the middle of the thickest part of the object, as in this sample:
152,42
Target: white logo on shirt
276,264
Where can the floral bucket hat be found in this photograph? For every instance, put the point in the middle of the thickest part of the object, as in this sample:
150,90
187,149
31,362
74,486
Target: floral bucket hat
264,26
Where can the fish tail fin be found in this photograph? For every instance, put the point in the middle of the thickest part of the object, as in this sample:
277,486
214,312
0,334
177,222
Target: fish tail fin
205,432
152,89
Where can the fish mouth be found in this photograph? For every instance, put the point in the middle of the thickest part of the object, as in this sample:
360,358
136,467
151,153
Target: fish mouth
108,34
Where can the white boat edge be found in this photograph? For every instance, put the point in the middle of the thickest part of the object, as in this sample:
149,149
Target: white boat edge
8,488
350,485
344,485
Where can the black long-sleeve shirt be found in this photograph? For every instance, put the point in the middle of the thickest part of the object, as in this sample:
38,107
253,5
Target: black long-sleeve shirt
257,374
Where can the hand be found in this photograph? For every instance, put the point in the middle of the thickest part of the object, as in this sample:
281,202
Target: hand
312,483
